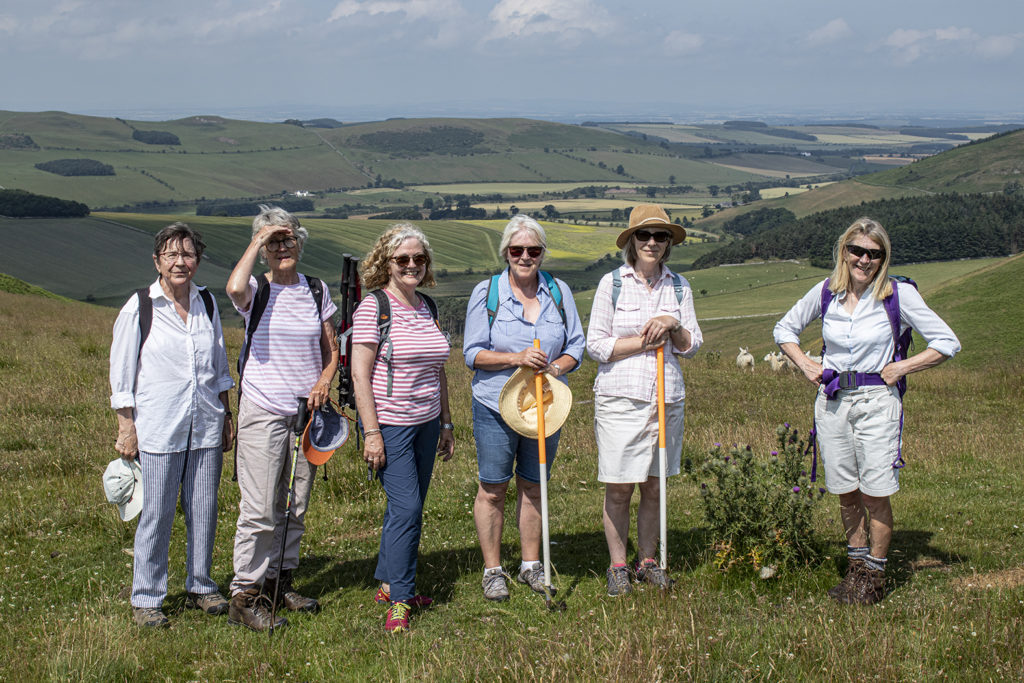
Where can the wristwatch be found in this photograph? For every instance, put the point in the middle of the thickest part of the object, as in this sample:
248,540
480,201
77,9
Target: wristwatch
448,425
558,369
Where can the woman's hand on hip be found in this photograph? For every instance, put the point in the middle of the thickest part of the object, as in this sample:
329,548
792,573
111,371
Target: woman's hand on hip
812,371
373,451
892,373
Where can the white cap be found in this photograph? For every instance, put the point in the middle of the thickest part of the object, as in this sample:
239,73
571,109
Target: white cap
122,482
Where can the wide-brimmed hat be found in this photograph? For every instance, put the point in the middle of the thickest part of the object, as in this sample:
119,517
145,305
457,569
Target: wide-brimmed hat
122,482
517,403
326,431
650,216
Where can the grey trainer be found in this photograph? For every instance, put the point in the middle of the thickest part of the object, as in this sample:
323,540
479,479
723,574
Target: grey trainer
648,571
618,581
494,585
150,617
534,578
210,603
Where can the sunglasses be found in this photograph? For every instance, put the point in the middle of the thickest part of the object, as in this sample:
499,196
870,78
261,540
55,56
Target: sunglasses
645,235
534,252
873,254
404,259
287,243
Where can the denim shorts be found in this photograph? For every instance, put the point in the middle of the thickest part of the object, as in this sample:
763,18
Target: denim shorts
498,447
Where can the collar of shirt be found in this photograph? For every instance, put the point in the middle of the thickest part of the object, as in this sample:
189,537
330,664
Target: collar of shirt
155,291
505,292
630,271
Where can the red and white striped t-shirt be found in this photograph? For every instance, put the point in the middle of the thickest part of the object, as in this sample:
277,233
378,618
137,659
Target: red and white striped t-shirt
285,360
420,351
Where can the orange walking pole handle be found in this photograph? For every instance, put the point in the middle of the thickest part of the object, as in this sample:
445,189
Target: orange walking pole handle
661,397
538,386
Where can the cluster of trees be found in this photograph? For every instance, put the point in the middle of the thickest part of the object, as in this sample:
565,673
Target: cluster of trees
758,221
23,204
155,137
230,208
17,141
434,140
934,228
765,129
76,167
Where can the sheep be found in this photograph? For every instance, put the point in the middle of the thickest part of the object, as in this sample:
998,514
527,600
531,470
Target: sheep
744,360
774,359
788,363
816,359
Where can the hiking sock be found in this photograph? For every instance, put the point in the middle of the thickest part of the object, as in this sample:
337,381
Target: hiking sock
493,570
876,563
856,552
524,565
618,564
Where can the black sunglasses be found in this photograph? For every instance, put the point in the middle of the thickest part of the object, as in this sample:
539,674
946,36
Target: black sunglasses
404,259
873,254
534,252
645,235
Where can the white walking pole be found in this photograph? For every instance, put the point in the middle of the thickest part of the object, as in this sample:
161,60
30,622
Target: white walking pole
662,461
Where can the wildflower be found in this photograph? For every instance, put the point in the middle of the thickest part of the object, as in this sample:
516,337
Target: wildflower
718,445
796,489
821,490
786,425
775,453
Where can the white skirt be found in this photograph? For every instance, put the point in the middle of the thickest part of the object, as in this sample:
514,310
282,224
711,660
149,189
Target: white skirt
627,439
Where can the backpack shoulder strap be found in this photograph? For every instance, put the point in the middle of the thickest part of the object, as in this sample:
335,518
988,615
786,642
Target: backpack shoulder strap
616,287
432,307
316,286
384,346
492,299
259,305
556,294
677,284
207,298
145,314
826,299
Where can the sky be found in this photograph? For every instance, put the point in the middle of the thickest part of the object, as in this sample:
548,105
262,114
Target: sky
560,59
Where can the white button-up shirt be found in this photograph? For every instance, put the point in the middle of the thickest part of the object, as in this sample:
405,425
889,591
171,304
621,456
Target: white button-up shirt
636,376
862,341
175,385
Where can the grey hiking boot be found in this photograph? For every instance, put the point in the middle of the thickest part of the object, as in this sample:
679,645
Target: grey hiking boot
534,578
251,609
618,581
648,571
287,596
150,617
840,590
866,588
211,603
494,585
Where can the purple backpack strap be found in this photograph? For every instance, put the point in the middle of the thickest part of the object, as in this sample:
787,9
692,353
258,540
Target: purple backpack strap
826,299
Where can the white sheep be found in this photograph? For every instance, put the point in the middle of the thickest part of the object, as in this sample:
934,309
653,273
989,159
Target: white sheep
788,363
744,360
816,359
774,360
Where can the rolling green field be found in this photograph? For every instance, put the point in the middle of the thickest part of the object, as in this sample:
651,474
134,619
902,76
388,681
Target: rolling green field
956,568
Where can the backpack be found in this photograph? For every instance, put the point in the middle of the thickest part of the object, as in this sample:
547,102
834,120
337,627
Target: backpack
892,309
549,280
259,305
384,329
146,311
677,285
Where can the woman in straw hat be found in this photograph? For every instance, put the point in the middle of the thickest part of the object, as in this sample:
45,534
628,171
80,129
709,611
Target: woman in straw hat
402,397
639,307
505,314
169,382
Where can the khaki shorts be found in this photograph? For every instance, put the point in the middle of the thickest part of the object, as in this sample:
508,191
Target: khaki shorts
859,436
627,439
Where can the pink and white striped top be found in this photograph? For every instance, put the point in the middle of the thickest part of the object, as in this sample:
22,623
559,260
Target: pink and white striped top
420,351
285,360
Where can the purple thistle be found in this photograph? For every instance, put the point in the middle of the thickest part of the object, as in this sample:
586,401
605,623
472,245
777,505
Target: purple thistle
726,457
786,425
821,490
775,452
718,445
796,489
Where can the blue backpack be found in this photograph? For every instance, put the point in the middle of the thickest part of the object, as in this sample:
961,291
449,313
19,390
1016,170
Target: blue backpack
677,285
492,297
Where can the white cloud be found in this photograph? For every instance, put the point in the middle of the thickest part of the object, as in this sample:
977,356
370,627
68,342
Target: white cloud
997,47
411,9
8,24
568,19
246,22
831,32
682,43
909,45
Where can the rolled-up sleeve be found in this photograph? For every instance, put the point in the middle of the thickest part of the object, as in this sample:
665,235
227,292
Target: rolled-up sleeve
915,313
124,355
575,340
805,310
600,341
221,369
688,317
476,336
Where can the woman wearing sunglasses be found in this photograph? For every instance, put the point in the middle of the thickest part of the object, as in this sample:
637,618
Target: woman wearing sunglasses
505,314
402,398
858,412
639,307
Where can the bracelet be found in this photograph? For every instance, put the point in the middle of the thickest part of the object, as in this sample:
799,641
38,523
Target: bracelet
368,432
448,425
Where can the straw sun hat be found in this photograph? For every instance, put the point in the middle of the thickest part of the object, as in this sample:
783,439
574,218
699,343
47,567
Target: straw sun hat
517,403
649,217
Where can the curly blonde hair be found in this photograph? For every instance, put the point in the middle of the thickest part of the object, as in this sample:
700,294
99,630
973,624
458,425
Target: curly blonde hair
376,269
840,279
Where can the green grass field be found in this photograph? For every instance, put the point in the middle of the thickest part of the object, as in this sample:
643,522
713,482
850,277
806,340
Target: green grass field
955,570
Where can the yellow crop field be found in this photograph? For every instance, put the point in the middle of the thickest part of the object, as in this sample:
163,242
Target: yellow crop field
577,205
515,189
776,192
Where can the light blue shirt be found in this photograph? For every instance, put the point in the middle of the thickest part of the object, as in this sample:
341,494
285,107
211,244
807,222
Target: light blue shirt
512,333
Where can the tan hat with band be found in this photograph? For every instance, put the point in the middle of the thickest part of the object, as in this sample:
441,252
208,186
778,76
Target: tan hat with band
517,403
650,217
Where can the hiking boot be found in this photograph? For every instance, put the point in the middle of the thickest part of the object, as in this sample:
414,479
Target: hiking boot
397,619
648,571
150,617
534,578
252,609
287,596
384,598
211,603
618,581
494,584
867,588
843,587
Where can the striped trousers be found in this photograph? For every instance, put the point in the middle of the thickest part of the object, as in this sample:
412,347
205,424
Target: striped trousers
196,473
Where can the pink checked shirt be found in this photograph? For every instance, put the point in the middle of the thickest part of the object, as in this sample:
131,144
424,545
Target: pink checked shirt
636,376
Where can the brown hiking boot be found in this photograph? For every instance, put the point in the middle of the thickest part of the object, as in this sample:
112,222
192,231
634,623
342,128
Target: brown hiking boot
150,617
843,587
252,610
287,596
867,588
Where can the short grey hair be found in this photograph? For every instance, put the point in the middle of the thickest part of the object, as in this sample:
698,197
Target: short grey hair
275,215
521,223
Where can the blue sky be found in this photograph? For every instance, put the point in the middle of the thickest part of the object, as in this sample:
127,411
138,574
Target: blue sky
370,58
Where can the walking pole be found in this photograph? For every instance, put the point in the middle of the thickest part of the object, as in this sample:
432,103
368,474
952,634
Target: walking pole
300,425
542,457
662,460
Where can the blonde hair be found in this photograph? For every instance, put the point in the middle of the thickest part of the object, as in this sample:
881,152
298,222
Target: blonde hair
839,281
375,268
